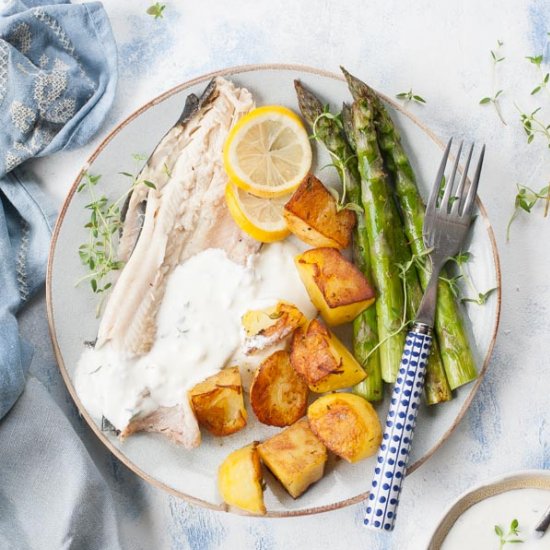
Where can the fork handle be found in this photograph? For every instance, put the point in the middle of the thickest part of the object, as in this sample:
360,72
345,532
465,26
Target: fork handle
393,455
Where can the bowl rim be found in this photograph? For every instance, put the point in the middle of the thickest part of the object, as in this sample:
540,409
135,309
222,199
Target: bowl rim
503,483
235,70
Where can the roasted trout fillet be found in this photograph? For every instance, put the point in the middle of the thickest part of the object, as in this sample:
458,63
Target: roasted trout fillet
185,214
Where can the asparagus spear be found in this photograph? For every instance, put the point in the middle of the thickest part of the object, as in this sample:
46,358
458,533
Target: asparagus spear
380,225
455,351
365,329
436,387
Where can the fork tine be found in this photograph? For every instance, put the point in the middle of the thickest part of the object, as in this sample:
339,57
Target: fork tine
450,184
470,199
460,192
432,201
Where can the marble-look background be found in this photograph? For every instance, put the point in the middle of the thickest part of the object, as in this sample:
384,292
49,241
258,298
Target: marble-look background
441,50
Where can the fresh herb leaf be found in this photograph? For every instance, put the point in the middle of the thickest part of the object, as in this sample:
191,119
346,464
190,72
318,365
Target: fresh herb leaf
156,10
505,539
535,59
462,258
139,157
340,163
99,254
525,200
410,96
496,58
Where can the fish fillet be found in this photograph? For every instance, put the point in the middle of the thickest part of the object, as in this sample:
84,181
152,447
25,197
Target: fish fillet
185,214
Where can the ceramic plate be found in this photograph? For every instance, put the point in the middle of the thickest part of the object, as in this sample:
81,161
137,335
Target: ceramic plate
192,474
528,479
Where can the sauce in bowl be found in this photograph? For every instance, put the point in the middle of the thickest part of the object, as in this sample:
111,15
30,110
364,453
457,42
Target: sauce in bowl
475,528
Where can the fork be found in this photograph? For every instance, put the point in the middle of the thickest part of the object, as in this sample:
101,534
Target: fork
446,225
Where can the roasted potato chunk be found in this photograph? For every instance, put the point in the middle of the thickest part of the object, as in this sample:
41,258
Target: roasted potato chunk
347,424
336,287
240,480
322,360
278,394
295,457
312,215
218,402
265,327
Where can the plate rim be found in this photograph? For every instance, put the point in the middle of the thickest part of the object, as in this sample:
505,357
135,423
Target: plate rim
239,69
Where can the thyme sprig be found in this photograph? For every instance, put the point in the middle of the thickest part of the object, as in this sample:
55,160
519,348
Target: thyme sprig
338,162
99,253
544,77
476,297
493,99
409,96
526,199
508,538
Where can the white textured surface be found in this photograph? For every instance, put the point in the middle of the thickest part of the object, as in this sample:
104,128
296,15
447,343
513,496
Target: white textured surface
442,51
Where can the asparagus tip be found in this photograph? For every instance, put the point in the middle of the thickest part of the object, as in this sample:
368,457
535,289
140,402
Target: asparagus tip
358,89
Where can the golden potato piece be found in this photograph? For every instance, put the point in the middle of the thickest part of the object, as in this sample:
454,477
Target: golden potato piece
278,395
240,480
295,457
312,215
218,402
347,424
265,327
336,287
322,360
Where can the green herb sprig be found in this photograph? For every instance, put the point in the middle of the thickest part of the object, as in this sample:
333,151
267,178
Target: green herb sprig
493,99
405,322
99,253
409,96
339,163
508,538
544,77
526,199
156,10
476,297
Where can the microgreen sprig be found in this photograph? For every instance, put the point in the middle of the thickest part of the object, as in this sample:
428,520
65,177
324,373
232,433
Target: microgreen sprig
156,10
526,199
338,162
479,298
544,77
410,96
493,99
509,538
533,125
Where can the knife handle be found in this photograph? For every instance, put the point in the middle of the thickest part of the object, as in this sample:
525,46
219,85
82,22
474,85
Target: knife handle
393,455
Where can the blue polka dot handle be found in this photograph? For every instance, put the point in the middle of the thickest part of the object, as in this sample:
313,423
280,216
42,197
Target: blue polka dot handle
393,455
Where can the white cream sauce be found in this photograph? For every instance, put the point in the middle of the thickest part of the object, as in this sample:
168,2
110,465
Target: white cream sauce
198,332
475,529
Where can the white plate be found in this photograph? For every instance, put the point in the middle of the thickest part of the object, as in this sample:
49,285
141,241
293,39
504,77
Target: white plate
192,474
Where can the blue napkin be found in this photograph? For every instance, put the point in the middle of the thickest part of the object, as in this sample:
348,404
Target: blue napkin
58,72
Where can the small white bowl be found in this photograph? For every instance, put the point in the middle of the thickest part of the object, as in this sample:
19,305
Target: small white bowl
525,479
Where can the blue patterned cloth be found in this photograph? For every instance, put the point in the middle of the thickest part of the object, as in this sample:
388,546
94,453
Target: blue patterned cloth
58,69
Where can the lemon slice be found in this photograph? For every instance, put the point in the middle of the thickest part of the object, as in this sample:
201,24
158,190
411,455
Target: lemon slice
268,153
261,218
